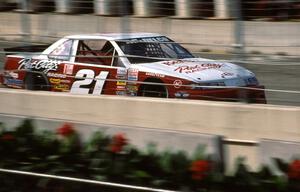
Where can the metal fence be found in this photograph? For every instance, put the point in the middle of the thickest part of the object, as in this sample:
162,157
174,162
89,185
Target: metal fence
250,9
211,24
100,185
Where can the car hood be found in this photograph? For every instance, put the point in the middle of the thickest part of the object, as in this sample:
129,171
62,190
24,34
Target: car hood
197,70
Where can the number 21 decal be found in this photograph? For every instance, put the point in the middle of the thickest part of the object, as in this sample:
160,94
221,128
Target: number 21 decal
88,76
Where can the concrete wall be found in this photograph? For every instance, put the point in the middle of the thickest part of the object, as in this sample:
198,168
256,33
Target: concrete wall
232,120
285,150
267,37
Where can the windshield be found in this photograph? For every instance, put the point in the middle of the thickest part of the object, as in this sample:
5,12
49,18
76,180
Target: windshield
152,49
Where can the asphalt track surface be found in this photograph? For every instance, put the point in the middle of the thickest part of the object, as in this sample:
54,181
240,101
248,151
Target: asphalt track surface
279,74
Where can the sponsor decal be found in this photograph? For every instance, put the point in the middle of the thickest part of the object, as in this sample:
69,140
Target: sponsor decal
155,74
40,65
16,83
133,94
170,63
120,92
196,68
55,81
57,75
62,87
65,81
121,83
121,88
68,69
133,74
177,83
182,94
121,73
58,81
223,75
11,74
132,88
150,39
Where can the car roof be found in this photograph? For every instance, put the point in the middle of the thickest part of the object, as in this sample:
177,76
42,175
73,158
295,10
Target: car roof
112,36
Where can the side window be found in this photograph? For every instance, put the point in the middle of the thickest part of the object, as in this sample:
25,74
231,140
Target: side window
62,52
95,52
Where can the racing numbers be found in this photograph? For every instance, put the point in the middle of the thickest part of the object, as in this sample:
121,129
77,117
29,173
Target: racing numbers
88,76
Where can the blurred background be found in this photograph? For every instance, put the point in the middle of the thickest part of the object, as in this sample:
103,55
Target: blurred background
261,35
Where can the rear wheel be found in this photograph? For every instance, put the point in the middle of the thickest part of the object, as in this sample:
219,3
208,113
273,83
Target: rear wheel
35,81
148,90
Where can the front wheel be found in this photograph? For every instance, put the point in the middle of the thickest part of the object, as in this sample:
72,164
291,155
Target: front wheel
153,91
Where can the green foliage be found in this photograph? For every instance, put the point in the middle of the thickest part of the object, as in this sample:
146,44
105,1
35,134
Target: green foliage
63,154
25,129
281,165
199,153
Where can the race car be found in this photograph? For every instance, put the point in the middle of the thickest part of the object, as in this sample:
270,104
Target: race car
136,64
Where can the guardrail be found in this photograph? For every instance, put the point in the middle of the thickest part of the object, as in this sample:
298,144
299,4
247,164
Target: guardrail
88,181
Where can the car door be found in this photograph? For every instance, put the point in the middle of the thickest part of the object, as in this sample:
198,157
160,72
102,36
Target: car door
96,69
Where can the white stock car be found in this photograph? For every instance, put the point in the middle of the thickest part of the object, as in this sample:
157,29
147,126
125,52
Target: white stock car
142,64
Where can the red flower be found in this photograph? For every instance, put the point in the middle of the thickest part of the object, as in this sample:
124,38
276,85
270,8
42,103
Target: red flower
7,137
66,130
200,169
118,142
294,170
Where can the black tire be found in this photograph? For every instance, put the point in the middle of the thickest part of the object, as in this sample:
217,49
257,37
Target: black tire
35,82
146,90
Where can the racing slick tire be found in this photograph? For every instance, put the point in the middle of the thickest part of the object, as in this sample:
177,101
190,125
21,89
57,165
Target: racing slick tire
148,90
36,82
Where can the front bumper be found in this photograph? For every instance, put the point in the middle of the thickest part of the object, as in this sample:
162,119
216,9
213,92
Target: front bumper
251,94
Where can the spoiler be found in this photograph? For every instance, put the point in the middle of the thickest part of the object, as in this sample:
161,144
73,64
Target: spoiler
28,48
